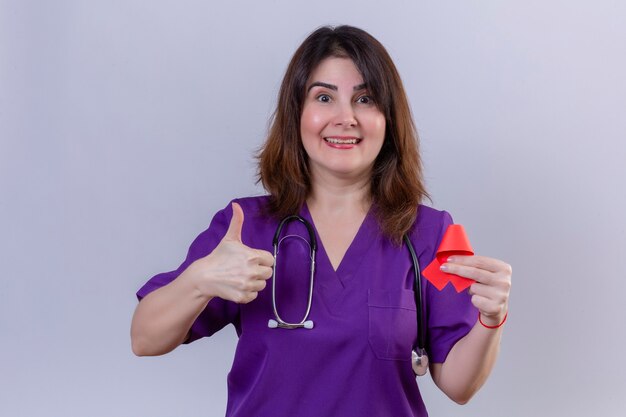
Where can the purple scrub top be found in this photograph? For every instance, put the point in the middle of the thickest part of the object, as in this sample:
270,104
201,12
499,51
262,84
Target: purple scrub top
356,359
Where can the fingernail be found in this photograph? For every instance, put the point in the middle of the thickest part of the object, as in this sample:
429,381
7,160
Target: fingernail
450,259
444,267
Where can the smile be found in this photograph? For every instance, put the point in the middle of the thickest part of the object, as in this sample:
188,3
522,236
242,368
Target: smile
343,141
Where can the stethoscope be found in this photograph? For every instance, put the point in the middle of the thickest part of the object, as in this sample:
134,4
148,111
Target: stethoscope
419,357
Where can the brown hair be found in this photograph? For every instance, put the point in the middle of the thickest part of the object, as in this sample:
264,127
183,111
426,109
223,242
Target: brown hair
397,185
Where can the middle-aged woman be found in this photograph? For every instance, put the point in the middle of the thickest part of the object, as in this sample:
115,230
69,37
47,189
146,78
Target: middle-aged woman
342,152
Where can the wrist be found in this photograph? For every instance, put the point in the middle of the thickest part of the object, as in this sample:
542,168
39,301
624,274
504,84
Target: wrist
492,322
194,276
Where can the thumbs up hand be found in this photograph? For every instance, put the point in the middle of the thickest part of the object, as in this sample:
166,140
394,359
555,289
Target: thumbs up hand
233,271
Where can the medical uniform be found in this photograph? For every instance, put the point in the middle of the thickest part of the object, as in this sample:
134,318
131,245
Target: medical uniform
356,359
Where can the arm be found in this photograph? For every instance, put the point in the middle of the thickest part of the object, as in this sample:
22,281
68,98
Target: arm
163,318
472,358
232,271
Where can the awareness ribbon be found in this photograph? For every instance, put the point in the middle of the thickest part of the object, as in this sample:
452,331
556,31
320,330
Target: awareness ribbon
454,242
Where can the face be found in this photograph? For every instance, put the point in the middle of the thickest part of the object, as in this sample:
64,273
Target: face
342,129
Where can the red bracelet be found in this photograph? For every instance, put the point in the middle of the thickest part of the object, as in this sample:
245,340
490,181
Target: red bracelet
497,325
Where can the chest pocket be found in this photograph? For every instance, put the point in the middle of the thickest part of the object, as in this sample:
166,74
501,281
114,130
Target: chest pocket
392,323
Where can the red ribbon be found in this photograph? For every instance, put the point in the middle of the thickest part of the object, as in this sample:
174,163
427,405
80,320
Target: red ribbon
454,242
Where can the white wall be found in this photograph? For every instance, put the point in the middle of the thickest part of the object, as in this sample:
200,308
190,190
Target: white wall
124,125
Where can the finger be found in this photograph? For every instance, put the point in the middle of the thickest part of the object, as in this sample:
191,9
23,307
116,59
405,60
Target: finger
258,285
251,285
479,275
495,294
245,298
481,262
263,272
264,257
480,289
486,306
498,283
236,224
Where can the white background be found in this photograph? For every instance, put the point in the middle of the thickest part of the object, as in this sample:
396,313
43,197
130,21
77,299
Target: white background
125,125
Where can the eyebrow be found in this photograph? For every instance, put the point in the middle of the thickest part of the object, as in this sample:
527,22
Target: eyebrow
334,87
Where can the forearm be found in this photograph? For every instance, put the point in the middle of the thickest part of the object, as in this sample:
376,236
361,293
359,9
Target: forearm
468,364
163,318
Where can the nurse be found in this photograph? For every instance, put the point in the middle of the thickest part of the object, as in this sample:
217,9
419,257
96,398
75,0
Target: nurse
342,152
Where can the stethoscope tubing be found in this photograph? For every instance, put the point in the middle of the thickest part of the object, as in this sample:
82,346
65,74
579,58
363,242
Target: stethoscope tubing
305,322
417,294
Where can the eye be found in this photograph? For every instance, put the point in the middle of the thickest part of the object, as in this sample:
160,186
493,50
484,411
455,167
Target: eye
323,98
365,100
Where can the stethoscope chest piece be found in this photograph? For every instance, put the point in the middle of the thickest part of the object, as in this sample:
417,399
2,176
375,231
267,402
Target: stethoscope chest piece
419,362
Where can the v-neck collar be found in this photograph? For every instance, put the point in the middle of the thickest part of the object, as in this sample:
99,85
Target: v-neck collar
355,253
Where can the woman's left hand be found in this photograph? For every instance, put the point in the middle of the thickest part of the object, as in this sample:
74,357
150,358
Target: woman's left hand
490,292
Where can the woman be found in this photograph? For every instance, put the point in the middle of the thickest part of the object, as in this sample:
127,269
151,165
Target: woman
342,153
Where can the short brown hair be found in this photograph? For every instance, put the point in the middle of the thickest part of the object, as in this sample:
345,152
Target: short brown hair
397,185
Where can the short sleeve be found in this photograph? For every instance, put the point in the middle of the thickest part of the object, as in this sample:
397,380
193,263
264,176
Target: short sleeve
218,312
449,315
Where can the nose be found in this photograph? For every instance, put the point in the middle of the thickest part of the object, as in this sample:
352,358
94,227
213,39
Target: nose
345,115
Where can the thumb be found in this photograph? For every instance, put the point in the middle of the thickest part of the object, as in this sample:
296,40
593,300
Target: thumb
236,223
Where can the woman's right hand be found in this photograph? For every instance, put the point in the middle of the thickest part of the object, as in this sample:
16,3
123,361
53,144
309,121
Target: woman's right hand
233,271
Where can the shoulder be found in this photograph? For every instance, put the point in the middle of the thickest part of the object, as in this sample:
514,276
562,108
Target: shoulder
254,204
429,228
253,209
257,220
428,218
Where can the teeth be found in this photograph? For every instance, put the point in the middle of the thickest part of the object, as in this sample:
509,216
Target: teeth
341,141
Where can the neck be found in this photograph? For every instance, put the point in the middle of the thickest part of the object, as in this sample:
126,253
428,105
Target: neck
330,194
